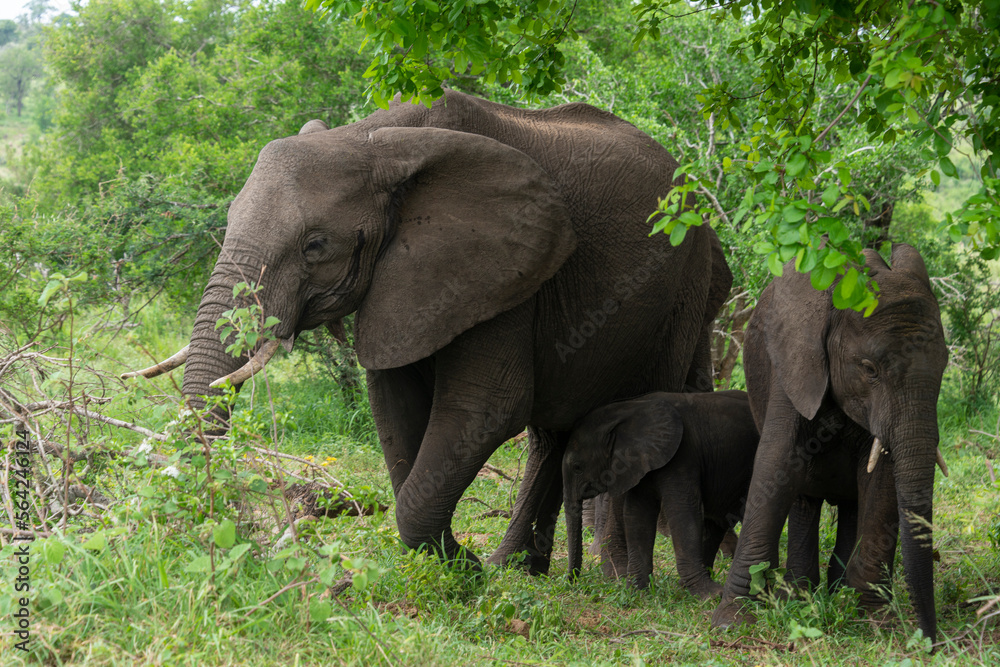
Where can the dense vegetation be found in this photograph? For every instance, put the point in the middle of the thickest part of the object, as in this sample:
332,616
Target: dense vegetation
123,144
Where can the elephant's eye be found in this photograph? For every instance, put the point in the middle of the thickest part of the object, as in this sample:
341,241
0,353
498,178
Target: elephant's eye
869,369
314,247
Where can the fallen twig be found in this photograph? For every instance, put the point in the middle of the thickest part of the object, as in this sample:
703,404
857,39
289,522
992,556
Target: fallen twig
285,589
762,644
494,469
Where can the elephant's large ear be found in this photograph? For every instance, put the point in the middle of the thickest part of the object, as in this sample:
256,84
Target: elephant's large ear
646,438
479,226
905,258
795,327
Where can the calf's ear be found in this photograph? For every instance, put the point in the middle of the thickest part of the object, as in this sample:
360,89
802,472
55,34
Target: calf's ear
646,437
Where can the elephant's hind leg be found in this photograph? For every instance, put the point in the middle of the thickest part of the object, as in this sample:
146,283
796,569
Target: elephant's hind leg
847,537
802,566
532,527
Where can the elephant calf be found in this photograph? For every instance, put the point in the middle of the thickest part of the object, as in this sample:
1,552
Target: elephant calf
689,456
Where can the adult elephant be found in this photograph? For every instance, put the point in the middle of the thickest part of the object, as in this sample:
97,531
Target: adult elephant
499,263
847,410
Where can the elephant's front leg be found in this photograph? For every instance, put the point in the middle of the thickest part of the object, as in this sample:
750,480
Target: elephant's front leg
536,510
482,397
400,399
776,481
869,569
640,511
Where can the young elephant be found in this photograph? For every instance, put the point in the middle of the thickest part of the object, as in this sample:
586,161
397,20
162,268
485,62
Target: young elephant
689,456
847,409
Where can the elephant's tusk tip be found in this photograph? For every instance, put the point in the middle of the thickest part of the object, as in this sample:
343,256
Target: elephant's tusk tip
940,462
873,455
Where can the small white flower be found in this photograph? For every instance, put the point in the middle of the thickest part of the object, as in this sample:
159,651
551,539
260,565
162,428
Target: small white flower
144,446
172,471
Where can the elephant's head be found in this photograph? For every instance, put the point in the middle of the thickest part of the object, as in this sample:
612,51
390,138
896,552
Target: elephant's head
884,372
611,450
424,232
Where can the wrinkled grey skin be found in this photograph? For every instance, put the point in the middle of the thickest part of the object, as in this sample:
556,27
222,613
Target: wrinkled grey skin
684,457
500,268
822,384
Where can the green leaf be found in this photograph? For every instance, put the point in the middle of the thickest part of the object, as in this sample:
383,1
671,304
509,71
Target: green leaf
224,534
948,167
319,610
236,552
796,164
834,259
792,213
198,565
96,542
774,264
849,282
821,277
830,195
758,577
677,235
53,551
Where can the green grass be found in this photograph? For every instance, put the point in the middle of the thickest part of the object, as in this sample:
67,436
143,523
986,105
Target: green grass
134,601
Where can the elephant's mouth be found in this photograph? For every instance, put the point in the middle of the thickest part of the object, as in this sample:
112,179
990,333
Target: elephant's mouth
878,449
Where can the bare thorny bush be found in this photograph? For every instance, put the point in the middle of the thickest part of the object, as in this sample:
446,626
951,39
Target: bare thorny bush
88,472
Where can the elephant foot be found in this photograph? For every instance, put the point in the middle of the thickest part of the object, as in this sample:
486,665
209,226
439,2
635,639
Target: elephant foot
731,613
705,590
529,559
447,549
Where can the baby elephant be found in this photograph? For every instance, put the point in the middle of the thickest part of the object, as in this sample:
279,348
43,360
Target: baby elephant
687,455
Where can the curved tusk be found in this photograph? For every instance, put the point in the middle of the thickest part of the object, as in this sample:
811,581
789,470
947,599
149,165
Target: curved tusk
164,366
252,367
941,463
873,456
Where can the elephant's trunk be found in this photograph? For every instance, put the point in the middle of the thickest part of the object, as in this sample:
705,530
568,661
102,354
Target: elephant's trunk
574,533
207,359
914,457
207,356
